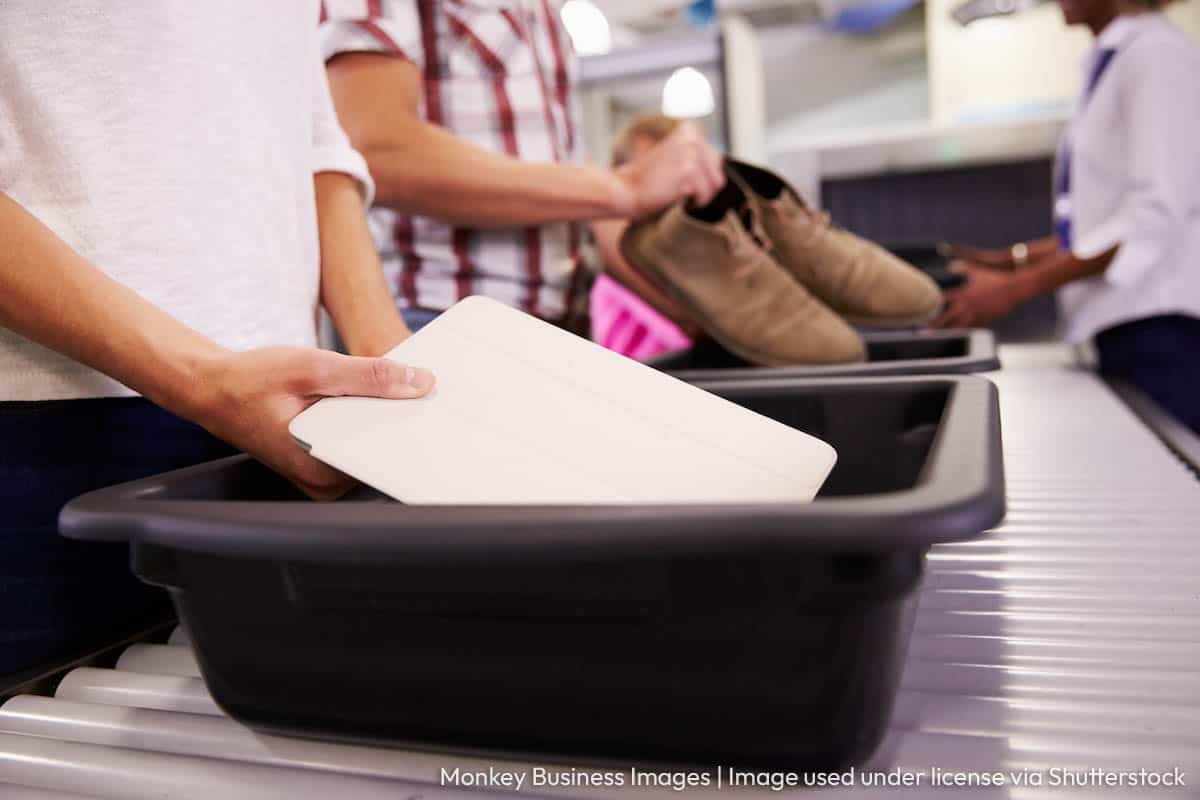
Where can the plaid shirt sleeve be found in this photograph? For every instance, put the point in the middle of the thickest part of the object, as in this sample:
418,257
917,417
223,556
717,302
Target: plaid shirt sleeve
392,27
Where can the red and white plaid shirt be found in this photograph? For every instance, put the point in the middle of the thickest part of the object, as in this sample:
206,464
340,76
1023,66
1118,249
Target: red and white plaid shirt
498,74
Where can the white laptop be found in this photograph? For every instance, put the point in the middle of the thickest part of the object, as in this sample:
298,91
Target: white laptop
524,412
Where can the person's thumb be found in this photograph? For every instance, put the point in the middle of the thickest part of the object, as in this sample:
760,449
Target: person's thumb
373,377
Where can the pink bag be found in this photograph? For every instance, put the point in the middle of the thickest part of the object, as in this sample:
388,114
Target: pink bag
623,322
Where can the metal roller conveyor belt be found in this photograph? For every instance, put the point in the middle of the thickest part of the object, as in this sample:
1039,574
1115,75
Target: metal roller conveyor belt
1068,638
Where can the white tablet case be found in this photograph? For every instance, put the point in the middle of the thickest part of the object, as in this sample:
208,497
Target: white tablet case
524,412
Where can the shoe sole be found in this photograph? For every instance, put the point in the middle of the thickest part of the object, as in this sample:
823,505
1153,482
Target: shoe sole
910,321
627,245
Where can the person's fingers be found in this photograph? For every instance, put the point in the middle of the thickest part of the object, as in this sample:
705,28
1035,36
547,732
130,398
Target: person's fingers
679,139
957,250
689,188
335,375
658,158
714,164
702,191
952,315
942,320
957,317
686,167
714,175
972,254
966,267
709,171
717,169
320,481
689,131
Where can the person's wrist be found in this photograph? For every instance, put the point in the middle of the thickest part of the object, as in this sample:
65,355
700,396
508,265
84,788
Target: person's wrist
198,387
380,339
1018,255
1023,286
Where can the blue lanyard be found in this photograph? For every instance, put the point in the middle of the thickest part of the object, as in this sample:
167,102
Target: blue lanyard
1062,167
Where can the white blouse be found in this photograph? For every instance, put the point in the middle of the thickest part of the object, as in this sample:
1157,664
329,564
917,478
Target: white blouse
1135,178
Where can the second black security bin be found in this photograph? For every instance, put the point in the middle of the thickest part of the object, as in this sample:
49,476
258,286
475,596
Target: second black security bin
900,353
769,635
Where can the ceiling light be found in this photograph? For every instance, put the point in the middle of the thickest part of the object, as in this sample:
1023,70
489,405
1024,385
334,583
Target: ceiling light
687,93
587,27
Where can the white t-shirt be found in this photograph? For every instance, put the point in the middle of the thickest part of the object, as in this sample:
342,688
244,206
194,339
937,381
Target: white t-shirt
1135,178
173,144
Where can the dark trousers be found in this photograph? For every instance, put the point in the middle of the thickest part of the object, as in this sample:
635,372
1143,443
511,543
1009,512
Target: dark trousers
59,596
1160,356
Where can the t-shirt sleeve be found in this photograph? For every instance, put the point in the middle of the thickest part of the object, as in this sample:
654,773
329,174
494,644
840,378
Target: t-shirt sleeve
331,149
391,27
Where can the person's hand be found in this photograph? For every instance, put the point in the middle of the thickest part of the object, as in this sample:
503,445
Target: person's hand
249,398
683,165
978,256
987,295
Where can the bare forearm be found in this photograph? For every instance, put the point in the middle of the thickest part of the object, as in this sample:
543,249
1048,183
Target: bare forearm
1009,258
422,168
353,289
52,295
436,174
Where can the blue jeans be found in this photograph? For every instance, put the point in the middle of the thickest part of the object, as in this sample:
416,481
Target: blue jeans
58,596
417,318
1161,356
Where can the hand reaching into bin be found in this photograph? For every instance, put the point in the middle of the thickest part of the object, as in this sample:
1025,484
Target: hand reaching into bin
252,396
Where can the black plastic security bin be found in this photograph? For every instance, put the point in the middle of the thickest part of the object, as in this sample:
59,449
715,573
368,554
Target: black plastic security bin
902,353
758,634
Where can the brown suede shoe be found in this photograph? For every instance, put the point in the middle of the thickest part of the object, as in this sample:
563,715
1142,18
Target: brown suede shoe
709,261
856,278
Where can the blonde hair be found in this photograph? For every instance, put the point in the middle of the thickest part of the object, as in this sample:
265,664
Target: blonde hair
655,127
